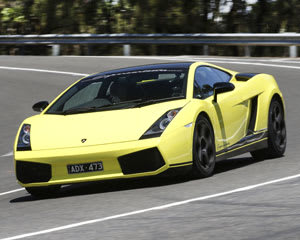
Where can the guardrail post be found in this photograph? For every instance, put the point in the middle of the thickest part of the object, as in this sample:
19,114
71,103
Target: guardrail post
55,49
89,50
126,49
205,50
247,51
293,51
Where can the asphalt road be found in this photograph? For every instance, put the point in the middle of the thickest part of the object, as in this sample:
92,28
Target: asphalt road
267,211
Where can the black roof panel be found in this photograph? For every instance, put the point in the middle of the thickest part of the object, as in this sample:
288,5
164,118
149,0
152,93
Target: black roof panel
146,67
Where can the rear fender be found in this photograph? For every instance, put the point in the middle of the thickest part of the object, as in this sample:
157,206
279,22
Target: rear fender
264,100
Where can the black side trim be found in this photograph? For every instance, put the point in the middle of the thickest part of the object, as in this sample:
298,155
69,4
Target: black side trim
244,141
244,76
180,164
177,171
253,147
253,114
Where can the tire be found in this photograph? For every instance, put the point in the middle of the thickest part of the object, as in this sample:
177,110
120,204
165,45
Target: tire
276,133
42,192
204,151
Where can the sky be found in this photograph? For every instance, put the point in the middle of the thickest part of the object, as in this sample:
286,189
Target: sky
225,8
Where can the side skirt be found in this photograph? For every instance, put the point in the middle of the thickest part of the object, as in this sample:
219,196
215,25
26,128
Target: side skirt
247,144
181,164
250,143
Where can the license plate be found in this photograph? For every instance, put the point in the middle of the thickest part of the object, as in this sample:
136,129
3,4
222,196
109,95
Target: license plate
85,167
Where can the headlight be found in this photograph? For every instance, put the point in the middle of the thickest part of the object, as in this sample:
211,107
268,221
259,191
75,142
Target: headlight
24,138
160,125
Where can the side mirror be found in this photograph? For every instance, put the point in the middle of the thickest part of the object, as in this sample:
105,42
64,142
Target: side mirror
222,87
40,106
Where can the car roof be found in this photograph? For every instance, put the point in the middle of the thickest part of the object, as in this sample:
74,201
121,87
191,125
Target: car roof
147,67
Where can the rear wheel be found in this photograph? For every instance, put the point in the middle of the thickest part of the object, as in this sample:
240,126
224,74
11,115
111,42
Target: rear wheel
39,192
276,133
204,153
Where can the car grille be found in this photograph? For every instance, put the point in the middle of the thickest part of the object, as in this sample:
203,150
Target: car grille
30,172
142,161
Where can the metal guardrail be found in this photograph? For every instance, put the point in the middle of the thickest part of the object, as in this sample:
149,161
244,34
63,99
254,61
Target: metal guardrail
291,40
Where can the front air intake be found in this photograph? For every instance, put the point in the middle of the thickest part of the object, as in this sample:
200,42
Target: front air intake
148,160
31,172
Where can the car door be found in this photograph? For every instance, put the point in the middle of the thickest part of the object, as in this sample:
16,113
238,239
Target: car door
230,111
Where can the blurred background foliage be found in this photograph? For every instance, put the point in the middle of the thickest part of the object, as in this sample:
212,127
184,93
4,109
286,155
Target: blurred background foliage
147,16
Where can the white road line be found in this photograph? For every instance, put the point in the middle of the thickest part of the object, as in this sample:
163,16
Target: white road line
244,60
43,70
171,58
156,57
295,60
230,59
257,64
128,57
12,191
157,208
8,154
245,63
286,61
191,59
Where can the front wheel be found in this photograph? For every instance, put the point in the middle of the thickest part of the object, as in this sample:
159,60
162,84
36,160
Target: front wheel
276,133
204,152
41,192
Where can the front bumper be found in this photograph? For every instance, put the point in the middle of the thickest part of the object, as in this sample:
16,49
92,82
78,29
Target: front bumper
120,160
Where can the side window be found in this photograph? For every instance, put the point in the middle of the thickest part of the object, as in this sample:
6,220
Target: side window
222,76
205,78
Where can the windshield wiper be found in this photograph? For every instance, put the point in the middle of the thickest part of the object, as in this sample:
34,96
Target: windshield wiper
84,109
153,101
96,109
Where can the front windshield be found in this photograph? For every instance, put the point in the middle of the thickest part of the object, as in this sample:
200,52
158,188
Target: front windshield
122,90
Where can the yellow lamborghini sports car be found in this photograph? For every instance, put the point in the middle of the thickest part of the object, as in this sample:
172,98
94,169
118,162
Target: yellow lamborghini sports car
145,120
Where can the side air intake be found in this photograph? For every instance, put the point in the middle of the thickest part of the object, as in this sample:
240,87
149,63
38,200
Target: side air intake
147,160
253,114
244,76
31,172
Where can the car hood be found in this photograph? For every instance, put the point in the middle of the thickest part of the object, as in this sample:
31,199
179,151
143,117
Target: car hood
50,131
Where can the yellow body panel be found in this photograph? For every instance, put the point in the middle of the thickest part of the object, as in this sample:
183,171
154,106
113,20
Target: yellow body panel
56,139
